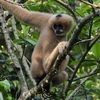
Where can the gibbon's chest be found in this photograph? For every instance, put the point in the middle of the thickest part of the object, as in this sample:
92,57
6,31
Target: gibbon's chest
45,45
50,45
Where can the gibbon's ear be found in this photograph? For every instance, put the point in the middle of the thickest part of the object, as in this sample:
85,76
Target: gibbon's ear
38,19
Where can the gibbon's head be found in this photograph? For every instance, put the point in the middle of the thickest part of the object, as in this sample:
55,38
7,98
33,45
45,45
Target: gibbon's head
61,24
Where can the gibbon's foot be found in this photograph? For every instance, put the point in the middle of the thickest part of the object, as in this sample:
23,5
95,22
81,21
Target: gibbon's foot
59,78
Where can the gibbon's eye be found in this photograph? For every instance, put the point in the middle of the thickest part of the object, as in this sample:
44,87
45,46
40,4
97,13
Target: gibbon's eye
60,26
55,26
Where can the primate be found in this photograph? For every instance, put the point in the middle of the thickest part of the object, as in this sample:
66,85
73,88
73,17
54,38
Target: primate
52,40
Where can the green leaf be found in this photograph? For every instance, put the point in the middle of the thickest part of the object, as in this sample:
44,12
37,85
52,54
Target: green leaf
32,6
97,23
89,84
80,12
1,96
4,86
96,50
89,63
35,35
18,41
74,62
30,41
25,30
20,33
9,97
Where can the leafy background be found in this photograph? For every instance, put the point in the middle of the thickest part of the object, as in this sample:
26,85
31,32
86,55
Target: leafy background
28,37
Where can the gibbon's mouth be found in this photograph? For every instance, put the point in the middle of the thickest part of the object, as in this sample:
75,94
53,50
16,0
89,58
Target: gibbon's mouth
60,34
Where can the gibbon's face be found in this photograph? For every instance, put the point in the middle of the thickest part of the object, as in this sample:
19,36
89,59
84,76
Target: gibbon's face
60,24
58,29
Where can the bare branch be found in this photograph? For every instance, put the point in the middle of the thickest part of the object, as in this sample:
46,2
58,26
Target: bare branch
83,41
90,4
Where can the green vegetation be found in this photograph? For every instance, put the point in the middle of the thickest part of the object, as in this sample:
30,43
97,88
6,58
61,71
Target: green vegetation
28,36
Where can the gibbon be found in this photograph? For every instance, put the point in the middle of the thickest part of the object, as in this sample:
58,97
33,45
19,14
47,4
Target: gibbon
52,40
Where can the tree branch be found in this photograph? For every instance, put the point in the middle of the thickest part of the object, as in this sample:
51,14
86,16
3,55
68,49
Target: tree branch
90,4
60,58
78,65
83,41
10,50
77,89
69,8
91,74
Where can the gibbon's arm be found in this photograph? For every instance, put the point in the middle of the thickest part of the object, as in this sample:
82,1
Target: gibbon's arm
32,18
50,58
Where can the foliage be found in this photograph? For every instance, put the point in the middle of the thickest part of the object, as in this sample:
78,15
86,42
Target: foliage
28,37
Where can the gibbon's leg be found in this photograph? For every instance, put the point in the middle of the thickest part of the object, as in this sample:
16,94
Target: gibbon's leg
61,75
52,57
37,71
59,78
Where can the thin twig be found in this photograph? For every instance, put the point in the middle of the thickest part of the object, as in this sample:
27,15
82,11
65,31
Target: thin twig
97,60
83,41
91,74
67,6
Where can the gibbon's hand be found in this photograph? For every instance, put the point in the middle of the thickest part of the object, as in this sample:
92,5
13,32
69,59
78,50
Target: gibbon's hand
61,46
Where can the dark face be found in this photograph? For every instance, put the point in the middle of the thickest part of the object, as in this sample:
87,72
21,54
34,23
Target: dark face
59,29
